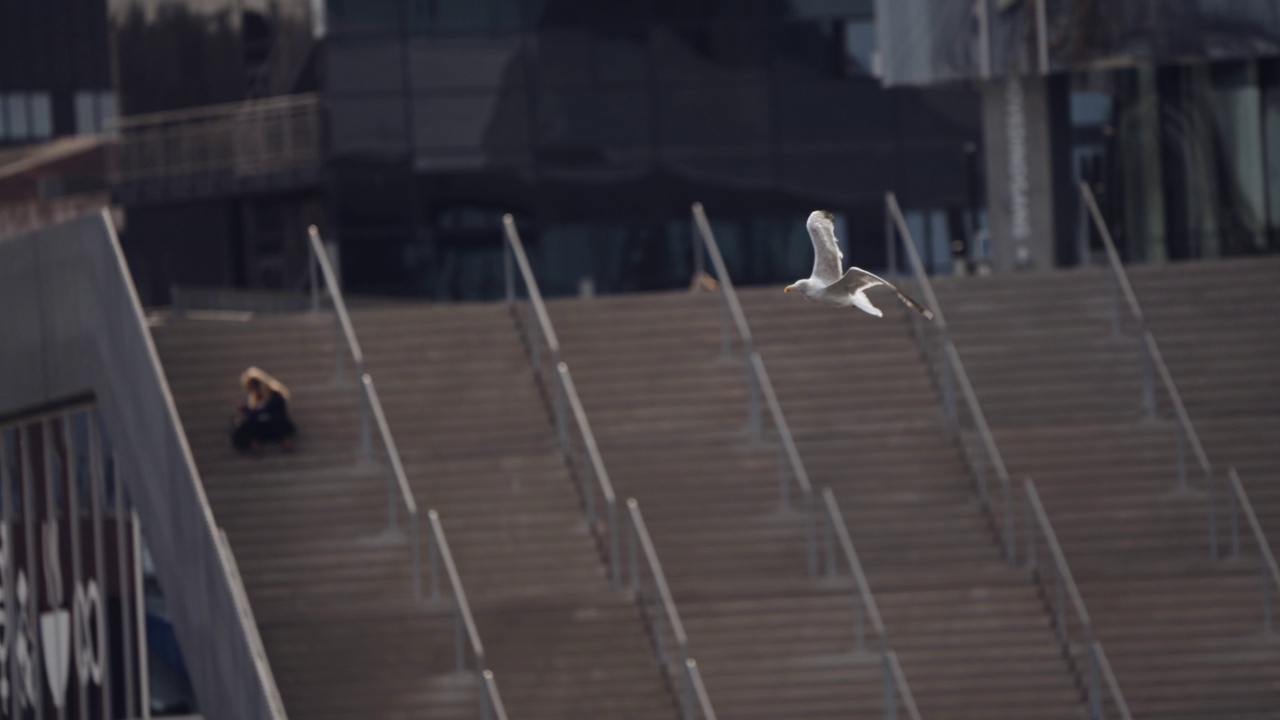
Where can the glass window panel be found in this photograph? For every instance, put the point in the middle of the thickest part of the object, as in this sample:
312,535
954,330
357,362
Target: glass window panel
482,120
41,115
716,113
86,114
363,14
108,111
16,113
365,65
466,64
367,124
603,117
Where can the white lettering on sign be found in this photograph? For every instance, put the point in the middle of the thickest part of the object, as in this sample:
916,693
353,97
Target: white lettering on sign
90,633
1019,171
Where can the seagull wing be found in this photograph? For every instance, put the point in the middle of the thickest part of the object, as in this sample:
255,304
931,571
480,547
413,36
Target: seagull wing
858,280
826,254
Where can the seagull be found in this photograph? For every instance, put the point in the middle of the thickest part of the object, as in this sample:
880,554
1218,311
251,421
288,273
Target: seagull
828,286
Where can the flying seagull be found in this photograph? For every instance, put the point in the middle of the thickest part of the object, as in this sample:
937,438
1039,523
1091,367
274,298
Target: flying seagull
828,286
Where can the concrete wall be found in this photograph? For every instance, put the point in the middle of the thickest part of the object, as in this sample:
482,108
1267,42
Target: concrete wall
71,324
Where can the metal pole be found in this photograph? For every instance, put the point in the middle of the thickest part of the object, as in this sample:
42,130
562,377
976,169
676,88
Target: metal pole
1060,606
508,267
433,563
1095,680
890,692
686,700
366,438
635,564
1042,37
457,633
1082,233
140,610
339,346
891,258
312,274
126,619
699,263
562,432
588,491
1031,537
1148,381
980,463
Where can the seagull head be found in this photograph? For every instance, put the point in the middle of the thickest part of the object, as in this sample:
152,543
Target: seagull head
798,286
818,219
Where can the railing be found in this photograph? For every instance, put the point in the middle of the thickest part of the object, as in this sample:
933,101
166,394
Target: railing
367,398
1270,572
1149,355
864,604
665,618
398,486
983,452
1060,591
464,623
579,442
245,139
758,383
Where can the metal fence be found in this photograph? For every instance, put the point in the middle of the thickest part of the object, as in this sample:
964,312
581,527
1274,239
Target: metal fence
73,325
975,439
238,140
1150,357
790,465
578,443
1071,617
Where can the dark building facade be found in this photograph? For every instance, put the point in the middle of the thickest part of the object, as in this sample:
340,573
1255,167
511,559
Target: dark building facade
55,70
1169,110
596,124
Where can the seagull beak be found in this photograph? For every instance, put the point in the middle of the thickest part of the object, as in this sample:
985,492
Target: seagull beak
789,288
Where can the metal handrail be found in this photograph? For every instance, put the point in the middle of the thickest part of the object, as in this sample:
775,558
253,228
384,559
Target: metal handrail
894,680
666,614
1270,571
464,620
1065,584
369,402
953,372
758,383
564,394
1151,355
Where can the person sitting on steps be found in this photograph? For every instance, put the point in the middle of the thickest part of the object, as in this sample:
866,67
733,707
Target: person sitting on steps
264,416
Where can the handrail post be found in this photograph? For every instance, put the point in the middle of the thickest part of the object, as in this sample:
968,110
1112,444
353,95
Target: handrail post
459,655
784,484
1010,539
562,432
1095,681
1266,596
753,397
890,246
859,631
726,343
415,556
829,534
890,693
686,699
509,271
1115,305
366,441
433,564
312,271
948,386
699,263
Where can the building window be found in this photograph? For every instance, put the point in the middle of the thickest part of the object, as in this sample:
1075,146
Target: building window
16,114
95,111
41,115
